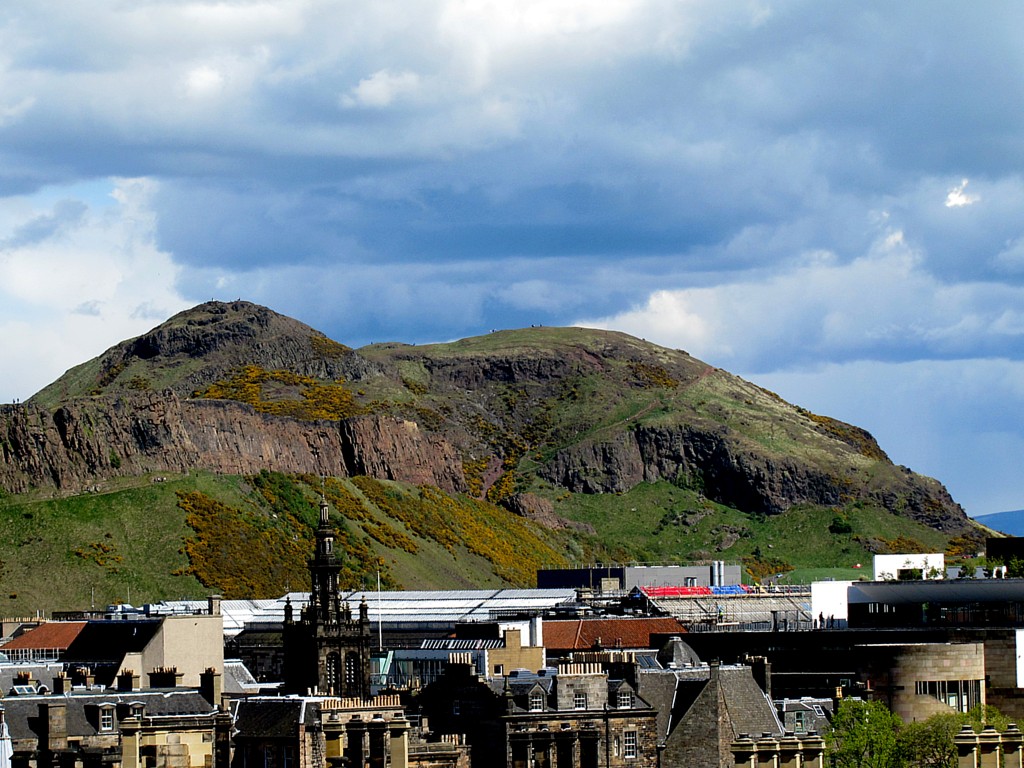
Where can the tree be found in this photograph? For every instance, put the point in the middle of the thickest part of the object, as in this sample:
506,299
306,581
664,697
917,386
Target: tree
1015,568
929,743
865,734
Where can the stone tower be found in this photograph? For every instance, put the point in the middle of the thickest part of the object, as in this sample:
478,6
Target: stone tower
327,650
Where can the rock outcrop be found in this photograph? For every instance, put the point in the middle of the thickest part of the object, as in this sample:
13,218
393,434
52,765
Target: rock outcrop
708,460
83,442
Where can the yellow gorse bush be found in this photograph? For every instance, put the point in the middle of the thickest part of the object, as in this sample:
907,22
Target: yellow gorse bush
299,397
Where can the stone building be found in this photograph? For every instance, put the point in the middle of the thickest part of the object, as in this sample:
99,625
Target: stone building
717,704
120,727
317,731
489,646
191,643
327,650
575,716
805,715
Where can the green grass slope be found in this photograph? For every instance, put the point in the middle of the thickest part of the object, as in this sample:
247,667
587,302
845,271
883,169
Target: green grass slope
250,538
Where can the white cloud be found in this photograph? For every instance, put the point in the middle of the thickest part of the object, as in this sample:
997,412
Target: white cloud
382,88
204,81
883,304
958,197
81,287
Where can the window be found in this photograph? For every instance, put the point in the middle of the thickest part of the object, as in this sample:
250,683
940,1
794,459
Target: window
629,744
536,701
107,719
333,673
579,700
288,757
352,686
624,699
499,669
456,708
799,723
961,695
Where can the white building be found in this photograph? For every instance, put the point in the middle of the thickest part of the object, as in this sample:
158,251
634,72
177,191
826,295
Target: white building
910,567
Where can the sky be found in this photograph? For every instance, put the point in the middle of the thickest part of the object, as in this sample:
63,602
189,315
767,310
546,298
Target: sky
824,198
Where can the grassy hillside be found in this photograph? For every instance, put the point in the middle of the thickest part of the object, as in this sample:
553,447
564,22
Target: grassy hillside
250,537
661,523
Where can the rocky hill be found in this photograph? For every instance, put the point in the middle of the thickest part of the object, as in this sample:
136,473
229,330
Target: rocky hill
619,445
236,388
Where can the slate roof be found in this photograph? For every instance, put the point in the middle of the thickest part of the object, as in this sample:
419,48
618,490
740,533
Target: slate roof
23,714
658,688
749,709
273,718
50,634
581,634
42,672
238,679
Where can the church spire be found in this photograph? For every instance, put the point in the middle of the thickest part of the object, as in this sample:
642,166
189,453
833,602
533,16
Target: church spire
324,568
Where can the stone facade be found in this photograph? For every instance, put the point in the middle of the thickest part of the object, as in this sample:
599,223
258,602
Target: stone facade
727,704
313,732
117,729
989,749
571,717
933,678
788,752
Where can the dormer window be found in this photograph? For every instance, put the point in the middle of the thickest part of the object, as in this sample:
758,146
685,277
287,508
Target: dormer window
536,701
624,699
137,710
106,718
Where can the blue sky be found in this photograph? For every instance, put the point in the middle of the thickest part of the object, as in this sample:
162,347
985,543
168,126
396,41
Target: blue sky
827,199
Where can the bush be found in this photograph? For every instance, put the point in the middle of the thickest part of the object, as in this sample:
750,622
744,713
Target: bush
840,525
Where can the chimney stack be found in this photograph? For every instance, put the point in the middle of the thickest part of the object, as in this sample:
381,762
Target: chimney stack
211,686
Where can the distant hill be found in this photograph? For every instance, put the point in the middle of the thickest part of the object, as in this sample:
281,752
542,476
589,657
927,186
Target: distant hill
604,446
1010,523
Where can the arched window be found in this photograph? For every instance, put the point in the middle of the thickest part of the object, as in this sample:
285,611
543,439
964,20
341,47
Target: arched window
334,673
352,686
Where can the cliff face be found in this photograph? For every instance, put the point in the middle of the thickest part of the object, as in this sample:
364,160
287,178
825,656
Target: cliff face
755,482
82,442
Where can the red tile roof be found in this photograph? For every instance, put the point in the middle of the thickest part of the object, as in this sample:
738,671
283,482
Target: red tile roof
585,634
51,634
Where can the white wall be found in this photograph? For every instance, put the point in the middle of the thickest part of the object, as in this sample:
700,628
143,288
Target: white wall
888,566
829,598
